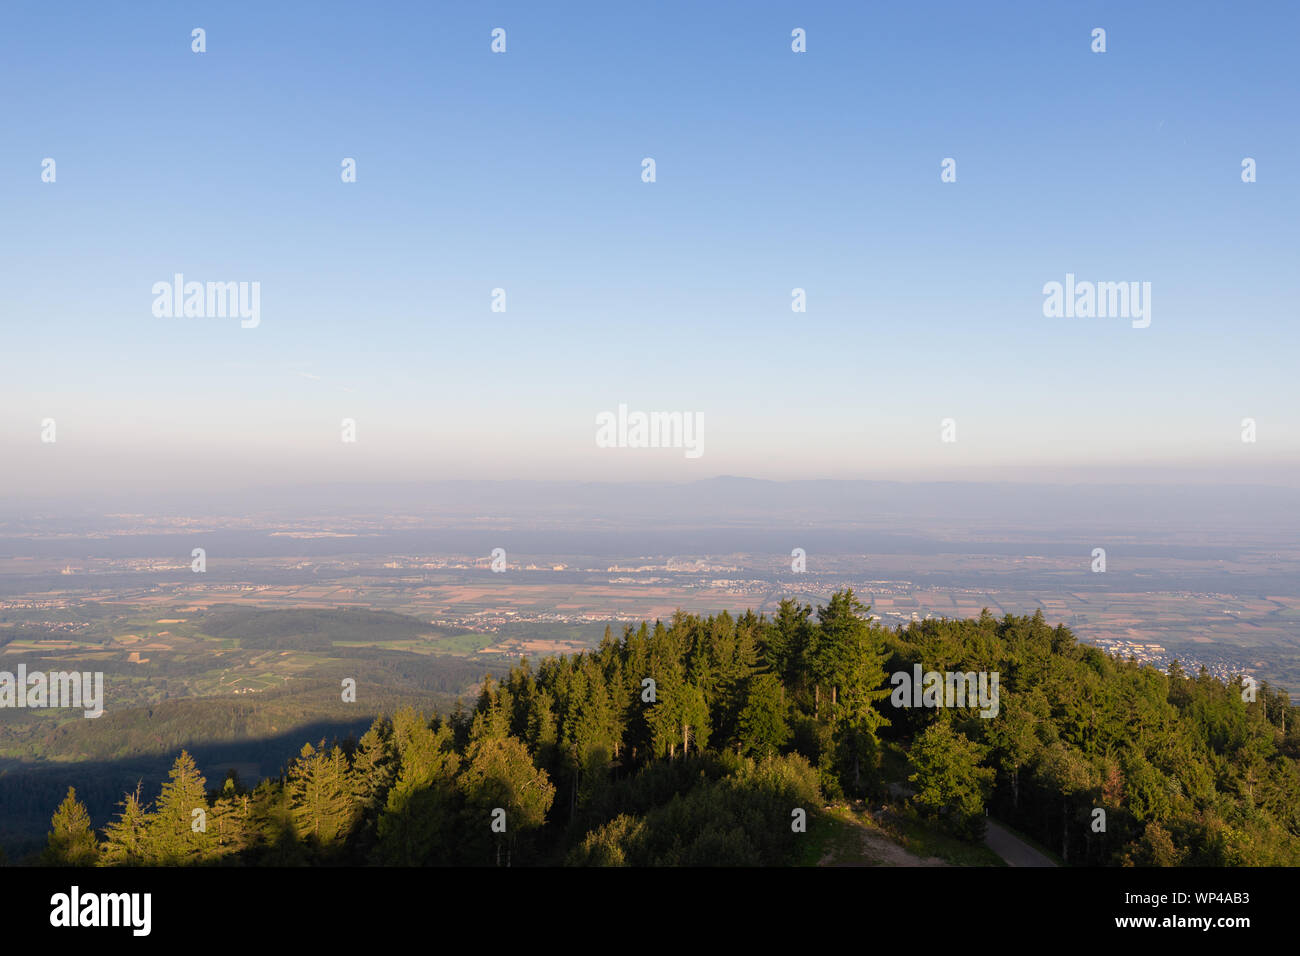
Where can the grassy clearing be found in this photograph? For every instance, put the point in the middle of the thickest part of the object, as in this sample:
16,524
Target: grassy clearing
454,644
925,840
835,835
467,643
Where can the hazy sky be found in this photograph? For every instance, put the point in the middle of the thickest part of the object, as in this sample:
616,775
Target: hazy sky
523,171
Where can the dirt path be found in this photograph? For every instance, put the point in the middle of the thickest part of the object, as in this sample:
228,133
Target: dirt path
889,853
873,848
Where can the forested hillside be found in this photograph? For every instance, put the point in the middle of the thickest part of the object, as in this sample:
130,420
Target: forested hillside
697,740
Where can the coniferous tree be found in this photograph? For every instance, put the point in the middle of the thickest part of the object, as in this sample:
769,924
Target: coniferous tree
951,785
176,834
229,821
542,734
418,822
124,837
786,643
71,840
373,766
500,775
763,730
849,657
1189,772
373,773
322,797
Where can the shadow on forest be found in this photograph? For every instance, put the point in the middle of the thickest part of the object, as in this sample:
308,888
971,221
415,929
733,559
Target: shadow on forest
30,789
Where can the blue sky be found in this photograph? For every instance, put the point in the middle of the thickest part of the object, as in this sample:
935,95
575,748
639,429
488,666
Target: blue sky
775,170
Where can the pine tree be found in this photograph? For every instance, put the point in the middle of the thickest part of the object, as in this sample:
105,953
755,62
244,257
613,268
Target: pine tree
302,784
321,796
494,711
951,786
124,837
849,657
373,771
500,775
835,642
542,728
71,840
763,730
416,826
786,642
176,835
229,823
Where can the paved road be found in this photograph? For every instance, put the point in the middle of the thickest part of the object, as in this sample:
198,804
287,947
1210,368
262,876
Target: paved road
1011,848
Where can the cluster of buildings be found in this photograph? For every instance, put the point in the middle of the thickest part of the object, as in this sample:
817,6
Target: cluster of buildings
1156,655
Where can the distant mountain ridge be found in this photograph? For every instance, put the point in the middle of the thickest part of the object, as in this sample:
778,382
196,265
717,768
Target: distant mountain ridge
731,500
